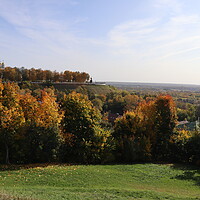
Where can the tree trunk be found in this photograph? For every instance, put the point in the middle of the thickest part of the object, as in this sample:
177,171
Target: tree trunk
7,154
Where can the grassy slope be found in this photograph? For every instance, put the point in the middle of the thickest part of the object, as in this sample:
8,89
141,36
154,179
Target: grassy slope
139,181
96,89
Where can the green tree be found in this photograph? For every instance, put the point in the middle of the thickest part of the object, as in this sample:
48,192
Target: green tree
84,137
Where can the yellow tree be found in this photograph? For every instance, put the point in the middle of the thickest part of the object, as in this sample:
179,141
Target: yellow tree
41,133
50,115
11,115
133,141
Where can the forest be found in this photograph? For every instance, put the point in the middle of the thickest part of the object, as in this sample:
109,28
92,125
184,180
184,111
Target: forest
39,125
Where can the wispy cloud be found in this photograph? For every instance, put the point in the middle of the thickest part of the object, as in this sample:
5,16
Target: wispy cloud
31,19
127,37
156,39
180,52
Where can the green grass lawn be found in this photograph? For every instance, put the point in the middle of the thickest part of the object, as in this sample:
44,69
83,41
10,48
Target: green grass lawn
138,181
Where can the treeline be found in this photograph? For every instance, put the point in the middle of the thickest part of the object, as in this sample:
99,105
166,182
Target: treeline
48,126
38,75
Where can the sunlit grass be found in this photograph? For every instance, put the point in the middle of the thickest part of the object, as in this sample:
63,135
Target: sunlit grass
138,181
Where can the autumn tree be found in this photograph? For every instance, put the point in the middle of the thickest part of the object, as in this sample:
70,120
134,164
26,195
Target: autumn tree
29,126
33,74
23,74
84,137
134,133
165,112
41,134
131,102
145,132
68,76
11,116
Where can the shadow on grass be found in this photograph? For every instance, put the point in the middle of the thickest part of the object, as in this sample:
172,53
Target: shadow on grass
190,172
12,167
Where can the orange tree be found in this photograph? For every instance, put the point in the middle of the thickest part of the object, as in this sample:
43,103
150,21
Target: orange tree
144,134
41,132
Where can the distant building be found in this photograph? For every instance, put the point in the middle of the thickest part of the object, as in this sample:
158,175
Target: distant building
190,126
183,122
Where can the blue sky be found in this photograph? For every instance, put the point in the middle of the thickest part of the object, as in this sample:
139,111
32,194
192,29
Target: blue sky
113,40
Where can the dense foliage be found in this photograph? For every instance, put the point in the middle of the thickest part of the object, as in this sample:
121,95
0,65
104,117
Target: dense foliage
29,126
144,134
85,139
45,125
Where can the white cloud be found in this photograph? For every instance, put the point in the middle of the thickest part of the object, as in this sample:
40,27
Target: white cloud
126,37
155,38
185,20
171,6
35,20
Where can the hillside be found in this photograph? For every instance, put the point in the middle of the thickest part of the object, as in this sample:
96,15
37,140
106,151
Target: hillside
93,88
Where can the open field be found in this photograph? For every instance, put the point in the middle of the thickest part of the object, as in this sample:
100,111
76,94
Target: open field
138,181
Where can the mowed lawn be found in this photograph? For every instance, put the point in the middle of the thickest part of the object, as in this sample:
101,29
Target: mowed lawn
137,181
